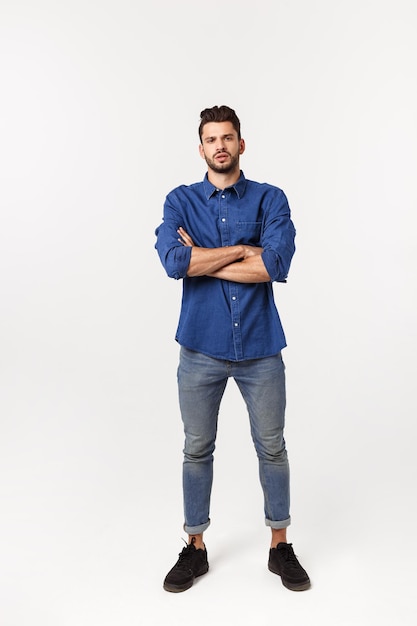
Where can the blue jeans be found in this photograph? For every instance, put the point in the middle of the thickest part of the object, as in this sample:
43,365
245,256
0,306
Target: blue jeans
201,383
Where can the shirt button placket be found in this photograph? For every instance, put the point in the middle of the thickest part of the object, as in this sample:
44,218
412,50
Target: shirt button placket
237,335
224,226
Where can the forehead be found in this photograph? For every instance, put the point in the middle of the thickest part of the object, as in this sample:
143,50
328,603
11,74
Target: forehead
217,129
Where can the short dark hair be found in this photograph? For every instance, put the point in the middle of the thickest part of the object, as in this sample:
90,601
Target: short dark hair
219,114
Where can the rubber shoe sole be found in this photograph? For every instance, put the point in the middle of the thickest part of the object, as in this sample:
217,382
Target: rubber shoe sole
292,586
178,588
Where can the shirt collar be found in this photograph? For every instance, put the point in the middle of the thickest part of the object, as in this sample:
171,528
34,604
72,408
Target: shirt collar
239,186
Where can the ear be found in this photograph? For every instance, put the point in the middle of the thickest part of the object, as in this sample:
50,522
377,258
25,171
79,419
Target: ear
242,146
201,150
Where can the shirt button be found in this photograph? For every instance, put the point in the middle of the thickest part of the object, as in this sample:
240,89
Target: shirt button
223,219
223,196
233,297
236,324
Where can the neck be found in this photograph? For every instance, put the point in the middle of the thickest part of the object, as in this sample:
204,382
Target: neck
221,181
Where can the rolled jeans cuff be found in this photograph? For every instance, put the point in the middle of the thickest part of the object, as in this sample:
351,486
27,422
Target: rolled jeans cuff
278,524
196,530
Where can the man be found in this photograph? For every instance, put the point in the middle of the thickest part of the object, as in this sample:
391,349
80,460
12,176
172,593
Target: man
228,238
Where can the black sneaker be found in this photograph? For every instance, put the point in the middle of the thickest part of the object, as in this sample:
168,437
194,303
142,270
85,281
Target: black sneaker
192,563
282,561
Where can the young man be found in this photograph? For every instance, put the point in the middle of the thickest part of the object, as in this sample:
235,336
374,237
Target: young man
228,238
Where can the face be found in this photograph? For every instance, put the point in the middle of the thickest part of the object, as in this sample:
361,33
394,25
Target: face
220,147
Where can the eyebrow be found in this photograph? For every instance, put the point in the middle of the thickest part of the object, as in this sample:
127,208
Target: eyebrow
215,136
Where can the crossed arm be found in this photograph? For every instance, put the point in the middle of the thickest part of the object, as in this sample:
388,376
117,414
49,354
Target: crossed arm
241,263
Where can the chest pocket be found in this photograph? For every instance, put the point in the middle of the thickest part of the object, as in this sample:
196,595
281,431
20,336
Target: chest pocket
249,233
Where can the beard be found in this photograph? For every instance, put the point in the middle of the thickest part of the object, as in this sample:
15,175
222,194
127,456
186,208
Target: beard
223,168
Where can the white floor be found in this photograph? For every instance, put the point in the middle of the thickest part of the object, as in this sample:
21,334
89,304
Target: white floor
90,527
111,574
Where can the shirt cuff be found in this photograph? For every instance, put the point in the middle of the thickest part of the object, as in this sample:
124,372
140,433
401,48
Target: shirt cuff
179,260
271,262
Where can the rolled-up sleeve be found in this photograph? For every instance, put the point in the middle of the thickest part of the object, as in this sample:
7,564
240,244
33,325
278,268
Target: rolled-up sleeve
175,257
278,238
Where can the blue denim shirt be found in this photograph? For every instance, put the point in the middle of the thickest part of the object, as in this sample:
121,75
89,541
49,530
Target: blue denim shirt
220,318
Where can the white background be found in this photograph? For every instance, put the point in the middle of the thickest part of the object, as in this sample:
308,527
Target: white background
99,111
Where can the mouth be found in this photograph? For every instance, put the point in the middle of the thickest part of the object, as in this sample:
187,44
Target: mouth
221,156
